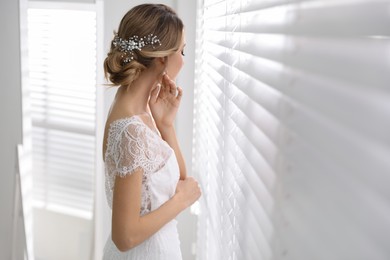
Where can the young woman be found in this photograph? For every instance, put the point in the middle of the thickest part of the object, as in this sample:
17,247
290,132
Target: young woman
146,180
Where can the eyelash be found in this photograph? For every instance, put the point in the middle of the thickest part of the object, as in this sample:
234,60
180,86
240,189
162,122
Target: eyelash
182,53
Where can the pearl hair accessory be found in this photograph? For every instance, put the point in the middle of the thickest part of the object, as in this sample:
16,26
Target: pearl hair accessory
134,43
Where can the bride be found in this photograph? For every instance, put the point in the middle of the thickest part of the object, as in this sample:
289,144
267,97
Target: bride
146,180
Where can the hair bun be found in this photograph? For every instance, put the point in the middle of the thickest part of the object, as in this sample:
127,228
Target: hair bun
123,66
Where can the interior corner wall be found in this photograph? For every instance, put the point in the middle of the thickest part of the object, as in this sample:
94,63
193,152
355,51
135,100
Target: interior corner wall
10,116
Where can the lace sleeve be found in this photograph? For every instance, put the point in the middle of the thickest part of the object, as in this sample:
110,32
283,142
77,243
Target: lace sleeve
136,148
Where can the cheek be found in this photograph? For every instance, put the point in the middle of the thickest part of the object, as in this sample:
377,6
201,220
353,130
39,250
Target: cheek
181,61
178,60
176,65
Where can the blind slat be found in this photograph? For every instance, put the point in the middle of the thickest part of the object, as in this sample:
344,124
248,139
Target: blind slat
336,18
63,97
291,142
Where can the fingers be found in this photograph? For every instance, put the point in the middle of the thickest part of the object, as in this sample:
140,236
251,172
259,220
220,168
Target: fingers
154,93
170,86
179,92
172,89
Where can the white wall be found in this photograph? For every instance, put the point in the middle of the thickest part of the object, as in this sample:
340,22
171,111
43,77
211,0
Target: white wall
10,115
187,222
65,237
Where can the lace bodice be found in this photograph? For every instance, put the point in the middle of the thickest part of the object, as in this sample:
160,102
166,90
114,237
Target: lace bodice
131,145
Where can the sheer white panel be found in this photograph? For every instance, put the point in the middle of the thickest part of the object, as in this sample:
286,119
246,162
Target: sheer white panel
292,129
62,50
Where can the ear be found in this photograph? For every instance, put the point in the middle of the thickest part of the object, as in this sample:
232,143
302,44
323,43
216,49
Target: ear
162,61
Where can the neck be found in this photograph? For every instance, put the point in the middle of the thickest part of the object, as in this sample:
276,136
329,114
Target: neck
135,98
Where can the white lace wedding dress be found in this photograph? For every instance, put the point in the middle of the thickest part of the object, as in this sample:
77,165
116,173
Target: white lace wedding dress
131,144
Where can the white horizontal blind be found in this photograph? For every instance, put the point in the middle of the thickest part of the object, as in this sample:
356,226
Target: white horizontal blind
62,54
292,129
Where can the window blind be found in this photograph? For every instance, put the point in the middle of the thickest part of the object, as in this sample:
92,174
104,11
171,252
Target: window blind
291,129
62,67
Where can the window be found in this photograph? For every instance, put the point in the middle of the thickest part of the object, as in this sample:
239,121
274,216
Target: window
62,67
292,108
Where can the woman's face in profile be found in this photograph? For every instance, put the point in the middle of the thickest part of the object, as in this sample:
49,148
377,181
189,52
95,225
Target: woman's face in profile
176,60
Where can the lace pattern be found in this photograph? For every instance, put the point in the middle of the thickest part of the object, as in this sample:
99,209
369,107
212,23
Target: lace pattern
132,145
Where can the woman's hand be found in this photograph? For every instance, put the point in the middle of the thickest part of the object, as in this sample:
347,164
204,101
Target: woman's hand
188,191
164,102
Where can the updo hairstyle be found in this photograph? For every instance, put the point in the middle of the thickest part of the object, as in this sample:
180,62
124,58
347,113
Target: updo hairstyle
142,20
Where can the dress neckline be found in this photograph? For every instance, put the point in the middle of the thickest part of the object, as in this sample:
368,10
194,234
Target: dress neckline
130,118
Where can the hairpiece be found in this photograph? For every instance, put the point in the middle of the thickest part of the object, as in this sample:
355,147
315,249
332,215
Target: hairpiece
134,43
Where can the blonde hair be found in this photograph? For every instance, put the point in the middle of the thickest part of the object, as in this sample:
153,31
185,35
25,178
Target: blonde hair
142,20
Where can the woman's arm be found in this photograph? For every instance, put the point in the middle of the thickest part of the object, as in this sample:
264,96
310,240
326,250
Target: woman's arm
169,135
164,103
129,228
